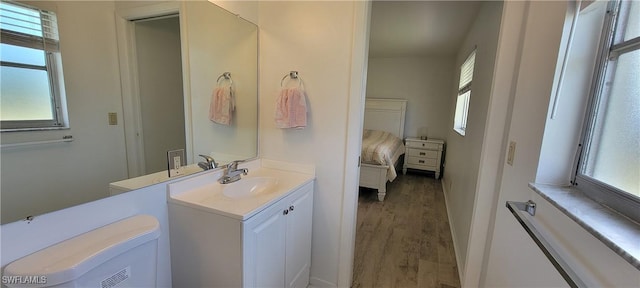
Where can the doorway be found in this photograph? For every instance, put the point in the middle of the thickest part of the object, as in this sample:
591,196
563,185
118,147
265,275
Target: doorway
161,110
414,48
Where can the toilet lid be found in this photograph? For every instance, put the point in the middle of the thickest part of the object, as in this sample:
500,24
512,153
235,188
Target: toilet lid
72,258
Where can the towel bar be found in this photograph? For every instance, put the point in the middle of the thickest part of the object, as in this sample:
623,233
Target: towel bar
517,209
66,138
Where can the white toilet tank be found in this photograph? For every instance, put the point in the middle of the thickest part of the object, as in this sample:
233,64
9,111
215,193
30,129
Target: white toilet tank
121,254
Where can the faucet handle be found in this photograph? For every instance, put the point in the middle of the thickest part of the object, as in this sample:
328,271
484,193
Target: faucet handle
233,165
212,163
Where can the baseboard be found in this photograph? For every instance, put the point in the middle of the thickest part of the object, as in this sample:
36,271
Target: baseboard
459,263
315,282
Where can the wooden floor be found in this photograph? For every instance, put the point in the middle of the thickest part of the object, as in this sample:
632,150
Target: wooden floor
404,241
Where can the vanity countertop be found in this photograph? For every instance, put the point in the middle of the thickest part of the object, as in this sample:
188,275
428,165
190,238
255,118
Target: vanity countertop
150,179
203,192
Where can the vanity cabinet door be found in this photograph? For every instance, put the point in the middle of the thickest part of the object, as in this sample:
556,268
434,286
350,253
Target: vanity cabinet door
298,247
264,248
277,243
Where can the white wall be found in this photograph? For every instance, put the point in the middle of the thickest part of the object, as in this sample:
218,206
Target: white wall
245,9
464,153
314,38
424,81
35,179
513,259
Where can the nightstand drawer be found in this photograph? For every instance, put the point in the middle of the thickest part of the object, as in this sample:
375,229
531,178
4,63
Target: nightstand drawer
422,153
413,144
422,161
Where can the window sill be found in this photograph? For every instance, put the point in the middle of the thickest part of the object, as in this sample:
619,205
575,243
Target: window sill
459,131
616,231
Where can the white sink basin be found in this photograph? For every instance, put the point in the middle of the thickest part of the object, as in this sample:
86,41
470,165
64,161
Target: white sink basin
249,187
238,200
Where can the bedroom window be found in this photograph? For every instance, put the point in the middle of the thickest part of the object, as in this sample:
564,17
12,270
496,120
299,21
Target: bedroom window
30,69
609,168
464,94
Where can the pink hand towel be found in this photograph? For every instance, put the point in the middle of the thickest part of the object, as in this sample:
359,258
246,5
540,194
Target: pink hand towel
222,105
291,108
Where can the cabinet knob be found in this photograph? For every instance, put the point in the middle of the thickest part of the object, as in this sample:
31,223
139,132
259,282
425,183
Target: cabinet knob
422,144
291,208
285,212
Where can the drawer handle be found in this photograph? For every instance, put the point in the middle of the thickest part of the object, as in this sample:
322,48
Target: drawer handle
420,161
422,153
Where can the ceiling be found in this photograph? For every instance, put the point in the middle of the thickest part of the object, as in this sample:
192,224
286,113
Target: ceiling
419,28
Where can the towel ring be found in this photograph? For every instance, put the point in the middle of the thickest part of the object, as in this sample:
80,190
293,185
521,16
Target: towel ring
292,75
226,76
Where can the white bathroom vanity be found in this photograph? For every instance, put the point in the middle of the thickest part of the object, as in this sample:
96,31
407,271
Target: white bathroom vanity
252,233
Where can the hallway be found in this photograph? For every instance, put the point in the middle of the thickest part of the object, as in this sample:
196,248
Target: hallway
404,241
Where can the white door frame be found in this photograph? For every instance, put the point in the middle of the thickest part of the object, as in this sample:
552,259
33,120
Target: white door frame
359,63
132,117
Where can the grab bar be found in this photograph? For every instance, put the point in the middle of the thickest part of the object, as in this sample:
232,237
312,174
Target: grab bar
517,208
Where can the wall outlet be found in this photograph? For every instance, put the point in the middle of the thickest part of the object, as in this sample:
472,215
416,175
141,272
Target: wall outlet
177,163
175,160
512,152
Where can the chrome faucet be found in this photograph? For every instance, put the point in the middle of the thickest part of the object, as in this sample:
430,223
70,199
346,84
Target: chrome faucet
233,174
210,164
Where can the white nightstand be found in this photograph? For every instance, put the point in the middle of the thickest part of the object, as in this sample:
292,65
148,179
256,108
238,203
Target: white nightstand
423,155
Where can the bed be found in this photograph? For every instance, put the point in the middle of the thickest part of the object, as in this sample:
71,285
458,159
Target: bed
386,115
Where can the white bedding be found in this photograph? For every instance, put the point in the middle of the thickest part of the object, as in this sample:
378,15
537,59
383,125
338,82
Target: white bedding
382,148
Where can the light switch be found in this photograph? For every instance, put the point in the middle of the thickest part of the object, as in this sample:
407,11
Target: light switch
512,152
113,118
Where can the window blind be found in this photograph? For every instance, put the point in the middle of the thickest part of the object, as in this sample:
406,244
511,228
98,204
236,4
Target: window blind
28,27
466,72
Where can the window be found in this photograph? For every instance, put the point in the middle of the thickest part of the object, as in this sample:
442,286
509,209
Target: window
609,166
30,69
464,94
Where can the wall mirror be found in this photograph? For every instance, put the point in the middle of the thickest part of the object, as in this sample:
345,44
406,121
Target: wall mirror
137,84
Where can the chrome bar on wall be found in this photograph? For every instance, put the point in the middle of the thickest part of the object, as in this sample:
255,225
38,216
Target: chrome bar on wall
66,138
517,209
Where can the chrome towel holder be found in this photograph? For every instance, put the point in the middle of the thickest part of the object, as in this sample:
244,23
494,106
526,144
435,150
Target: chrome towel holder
226,76
293,75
